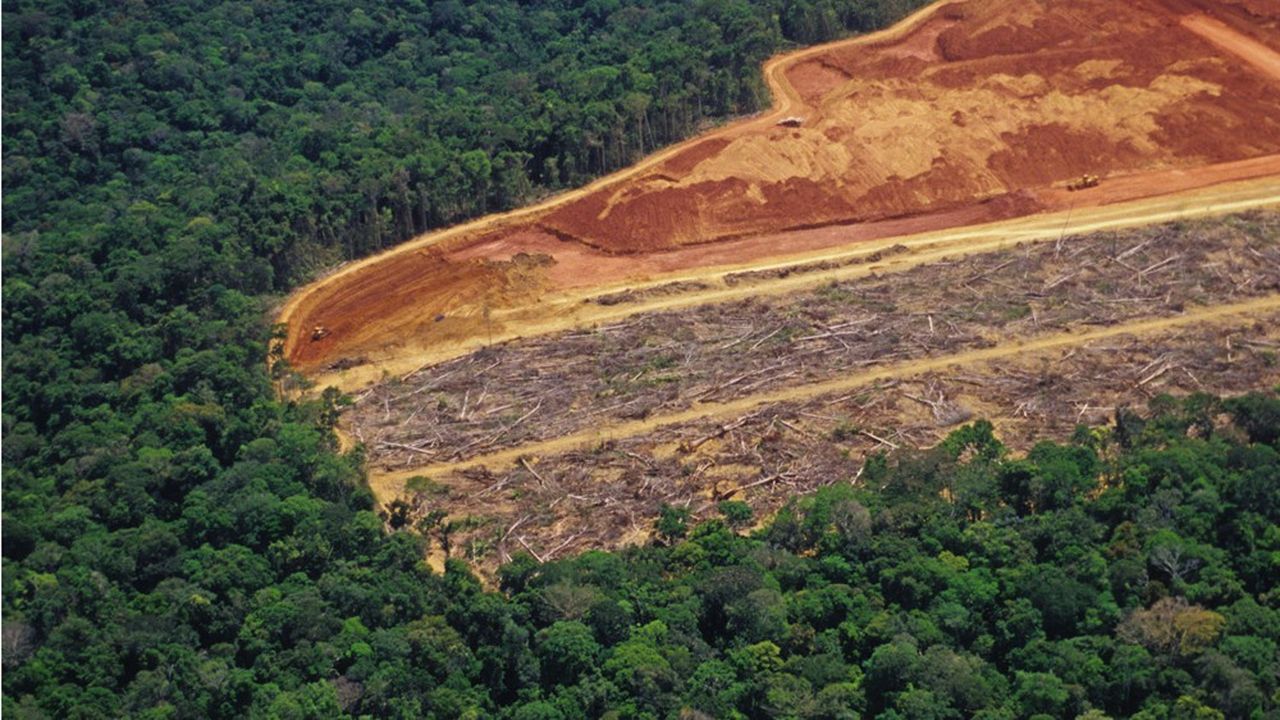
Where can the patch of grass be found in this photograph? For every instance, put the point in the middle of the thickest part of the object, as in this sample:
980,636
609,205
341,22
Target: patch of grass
837,293
1017,311
655,380
477,548
844,431
662,362
424,484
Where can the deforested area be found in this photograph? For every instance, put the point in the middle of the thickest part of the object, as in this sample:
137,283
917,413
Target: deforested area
973,111
341,379
605,490
656,364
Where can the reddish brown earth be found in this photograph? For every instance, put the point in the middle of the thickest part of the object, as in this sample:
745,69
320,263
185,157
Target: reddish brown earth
988,98
976,111
424,278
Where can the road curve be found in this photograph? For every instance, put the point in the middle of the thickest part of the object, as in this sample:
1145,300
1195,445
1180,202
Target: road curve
576,309
786,101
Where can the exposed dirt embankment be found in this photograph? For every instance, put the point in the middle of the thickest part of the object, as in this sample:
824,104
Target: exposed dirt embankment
970,112
452,293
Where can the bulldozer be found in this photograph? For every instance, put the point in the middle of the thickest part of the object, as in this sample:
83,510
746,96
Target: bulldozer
1084,182
319,332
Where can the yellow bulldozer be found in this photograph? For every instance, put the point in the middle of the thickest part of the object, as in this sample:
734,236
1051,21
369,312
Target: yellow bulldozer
319,332
1084,182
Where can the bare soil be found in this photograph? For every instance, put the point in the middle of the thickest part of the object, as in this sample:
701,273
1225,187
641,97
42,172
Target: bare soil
970,112
986,98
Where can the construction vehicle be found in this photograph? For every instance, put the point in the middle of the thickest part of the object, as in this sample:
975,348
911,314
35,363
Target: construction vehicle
1084,182
319,333
792,122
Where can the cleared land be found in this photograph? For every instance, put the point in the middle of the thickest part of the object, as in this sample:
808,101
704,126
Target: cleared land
591,307
981,101
580,436
749,314
668,362
608,493
967,113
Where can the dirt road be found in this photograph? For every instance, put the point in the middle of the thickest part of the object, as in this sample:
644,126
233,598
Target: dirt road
578,309
504,276
1251,51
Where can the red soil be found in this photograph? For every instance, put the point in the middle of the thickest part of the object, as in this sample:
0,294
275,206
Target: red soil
990,97
686,161
448,290
982,111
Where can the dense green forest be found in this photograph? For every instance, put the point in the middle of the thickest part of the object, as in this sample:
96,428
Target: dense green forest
1129,573
178,543
294,134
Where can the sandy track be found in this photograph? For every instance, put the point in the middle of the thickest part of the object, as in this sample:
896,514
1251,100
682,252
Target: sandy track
1251,51
575,309
387,486
382,306
786,101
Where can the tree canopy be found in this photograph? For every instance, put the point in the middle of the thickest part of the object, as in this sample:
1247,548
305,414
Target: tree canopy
180,543
294,135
